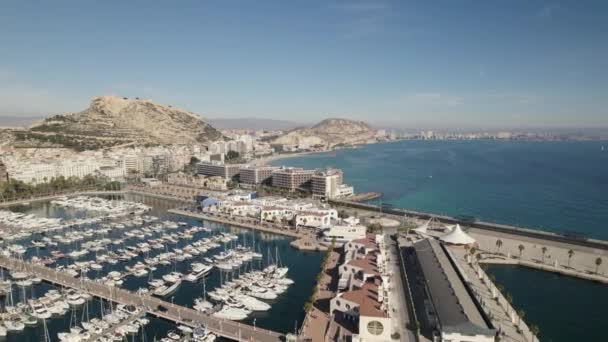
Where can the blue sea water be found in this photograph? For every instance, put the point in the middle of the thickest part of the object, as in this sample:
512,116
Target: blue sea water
555,186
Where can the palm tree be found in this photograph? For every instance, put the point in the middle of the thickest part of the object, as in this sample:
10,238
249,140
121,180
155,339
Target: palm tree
472,252
598,262
570,254
521,249
498,244
544,250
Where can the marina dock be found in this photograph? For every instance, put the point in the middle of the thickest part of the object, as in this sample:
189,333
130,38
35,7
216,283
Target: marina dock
151,305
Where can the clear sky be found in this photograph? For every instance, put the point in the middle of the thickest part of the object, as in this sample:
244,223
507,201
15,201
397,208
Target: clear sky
453,63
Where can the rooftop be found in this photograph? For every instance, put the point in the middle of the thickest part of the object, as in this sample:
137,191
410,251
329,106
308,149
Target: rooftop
455,308
367,298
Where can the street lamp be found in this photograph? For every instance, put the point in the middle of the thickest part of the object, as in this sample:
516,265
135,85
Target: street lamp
254,324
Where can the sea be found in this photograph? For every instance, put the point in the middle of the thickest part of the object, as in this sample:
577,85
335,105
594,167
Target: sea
553,186
286,313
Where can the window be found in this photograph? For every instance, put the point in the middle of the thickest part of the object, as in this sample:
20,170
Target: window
347,306
375,328
338,302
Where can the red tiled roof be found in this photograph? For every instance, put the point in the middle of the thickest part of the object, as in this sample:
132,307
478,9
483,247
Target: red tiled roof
368,264
367,298
369,241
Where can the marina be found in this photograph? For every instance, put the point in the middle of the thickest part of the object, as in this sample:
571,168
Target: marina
208,272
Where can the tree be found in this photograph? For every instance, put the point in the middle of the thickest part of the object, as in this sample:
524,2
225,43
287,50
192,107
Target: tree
194,161
570,254
544,251
598,262
232,155
521,250
374,228
498,244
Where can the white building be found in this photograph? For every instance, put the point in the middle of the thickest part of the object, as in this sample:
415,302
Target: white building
342,234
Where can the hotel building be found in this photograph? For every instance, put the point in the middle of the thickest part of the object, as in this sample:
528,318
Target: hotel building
291,178
227,171
255,175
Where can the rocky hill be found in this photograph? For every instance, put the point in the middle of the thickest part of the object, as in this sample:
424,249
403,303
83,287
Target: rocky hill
330,133
111,121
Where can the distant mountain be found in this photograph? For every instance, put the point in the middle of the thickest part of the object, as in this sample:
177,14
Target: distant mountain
111,121
257,124
330,133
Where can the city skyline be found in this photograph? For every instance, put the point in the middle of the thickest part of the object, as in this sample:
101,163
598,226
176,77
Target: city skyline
523,64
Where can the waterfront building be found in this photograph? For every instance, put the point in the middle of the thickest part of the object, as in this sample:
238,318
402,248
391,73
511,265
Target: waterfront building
344,233
112,172
446,305
276,214
197,181
314,219
329,184
364,291
213,168
256,175
291,178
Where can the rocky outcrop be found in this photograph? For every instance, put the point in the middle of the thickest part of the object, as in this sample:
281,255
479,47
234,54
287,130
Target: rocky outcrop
111,120
330,133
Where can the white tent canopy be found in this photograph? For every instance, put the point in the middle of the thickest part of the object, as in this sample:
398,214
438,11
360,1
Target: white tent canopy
457,237
422,229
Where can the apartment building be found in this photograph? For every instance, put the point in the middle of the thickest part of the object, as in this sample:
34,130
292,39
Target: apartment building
227,171
256,175
329,184
292,178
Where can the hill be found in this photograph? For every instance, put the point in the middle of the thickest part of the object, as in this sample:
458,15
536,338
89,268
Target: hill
330,133
111,121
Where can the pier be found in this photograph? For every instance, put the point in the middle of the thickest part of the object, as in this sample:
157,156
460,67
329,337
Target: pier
151,305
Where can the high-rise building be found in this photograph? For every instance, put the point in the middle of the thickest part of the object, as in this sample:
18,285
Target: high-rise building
329,184
255,175
291,178
227,171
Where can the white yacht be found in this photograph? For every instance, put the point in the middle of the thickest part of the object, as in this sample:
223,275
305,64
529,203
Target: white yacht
199,270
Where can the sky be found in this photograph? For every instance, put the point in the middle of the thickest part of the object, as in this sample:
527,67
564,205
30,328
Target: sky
455,63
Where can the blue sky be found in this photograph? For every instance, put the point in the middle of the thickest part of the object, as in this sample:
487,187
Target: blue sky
413,64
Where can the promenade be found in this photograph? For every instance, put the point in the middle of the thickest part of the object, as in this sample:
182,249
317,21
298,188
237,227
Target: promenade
151,305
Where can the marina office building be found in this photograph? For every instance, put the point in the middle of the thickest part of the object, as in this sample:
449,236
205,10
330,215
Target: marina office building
444,304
